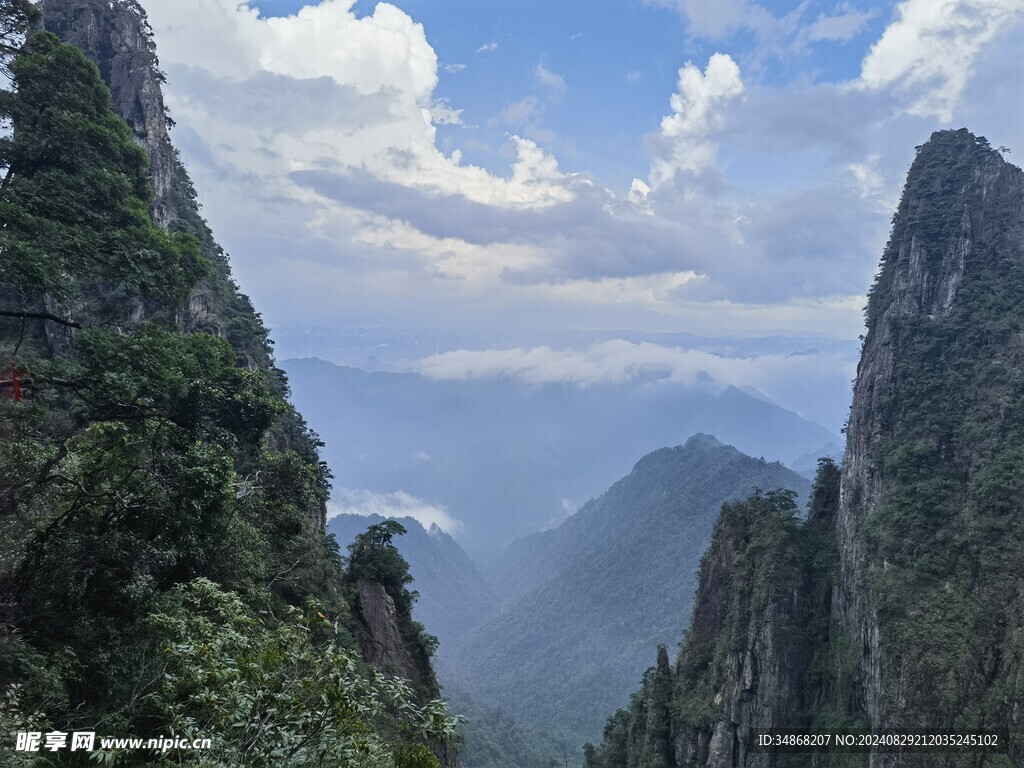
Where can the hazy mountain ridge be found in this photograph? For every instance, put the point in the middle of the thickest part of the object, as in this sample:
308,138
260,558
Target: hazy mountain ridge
508,459
584,599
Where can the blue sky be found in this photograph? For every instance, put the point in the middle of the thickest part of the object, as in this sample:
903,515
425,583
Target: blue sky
711,166
618,61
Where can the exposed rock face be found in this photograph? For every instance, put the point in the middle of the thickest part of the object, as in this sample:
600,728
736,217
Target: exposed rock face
381,632
899,605
116,36
382,643
747,636
956,245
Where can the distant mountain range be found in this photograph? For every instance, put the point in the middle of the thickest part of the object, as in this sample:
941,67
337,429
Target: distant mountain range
585,602
575,608
506,458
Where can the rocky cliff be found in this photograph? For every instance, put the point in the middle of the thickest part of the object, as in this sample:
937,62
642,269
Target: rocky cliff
897,605
391,641
117,37
930,588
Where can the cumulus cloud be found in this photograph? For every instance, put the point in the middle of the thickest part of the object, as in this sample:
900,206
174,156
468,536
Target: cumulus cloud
697,109
314,142
345,501
442,113
375,76
929,52
487,47
453,69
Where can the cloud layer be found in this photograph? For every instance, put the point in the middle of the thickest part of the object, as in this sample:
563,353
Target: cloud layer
345,501
314,140
790,380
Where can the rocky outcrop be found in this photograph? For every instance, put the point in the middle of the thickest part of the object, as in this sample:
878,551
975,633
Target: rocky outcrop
118,38
931,411
386,639
897,606
382,643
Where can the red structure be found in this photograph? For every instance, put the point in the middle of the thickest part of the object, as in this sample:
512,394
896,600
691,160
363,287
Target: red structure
12,387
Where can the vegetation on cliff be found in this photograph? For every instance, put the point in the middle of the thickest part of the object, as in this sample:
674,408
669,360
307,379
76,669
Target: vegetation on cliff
163,568
762,579
897,605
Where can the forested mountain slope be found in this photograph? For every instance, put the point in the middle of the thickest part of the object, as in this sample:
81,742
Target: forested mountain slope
164,566
897,605
586,600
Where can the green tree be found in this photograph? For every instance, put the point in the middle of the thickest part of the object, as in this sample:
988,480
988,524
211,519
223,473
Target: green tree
284,693
75,191
17,17
373,557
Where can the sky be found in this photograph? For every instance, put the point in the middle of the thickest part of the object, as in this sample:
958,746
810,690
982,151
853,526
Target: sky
709,166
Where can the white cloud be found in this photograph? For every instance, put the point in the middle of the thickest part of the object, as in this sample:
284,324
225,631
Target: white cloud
654,289
374,109
697,109
519,111
869,180
487,47
345,501
453,69
639,196
550,79
928,53
622,362
442,114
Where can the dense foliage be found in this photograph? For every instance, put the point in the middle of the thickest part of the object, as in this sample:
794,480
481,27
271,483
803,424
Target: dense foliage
495,739
162,569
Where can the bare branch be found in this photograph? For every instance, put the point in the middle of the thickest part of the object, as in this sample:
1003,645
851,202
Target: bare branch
40,316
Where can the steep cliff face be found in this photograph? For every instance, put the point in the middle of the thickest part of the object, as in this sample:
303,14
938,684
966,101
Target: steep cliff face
746,661
927,600
931,516
898,604
392,642
117,37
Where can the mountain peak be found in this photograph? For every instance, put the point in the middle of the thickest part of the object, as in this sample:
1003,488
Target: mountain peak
702,438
